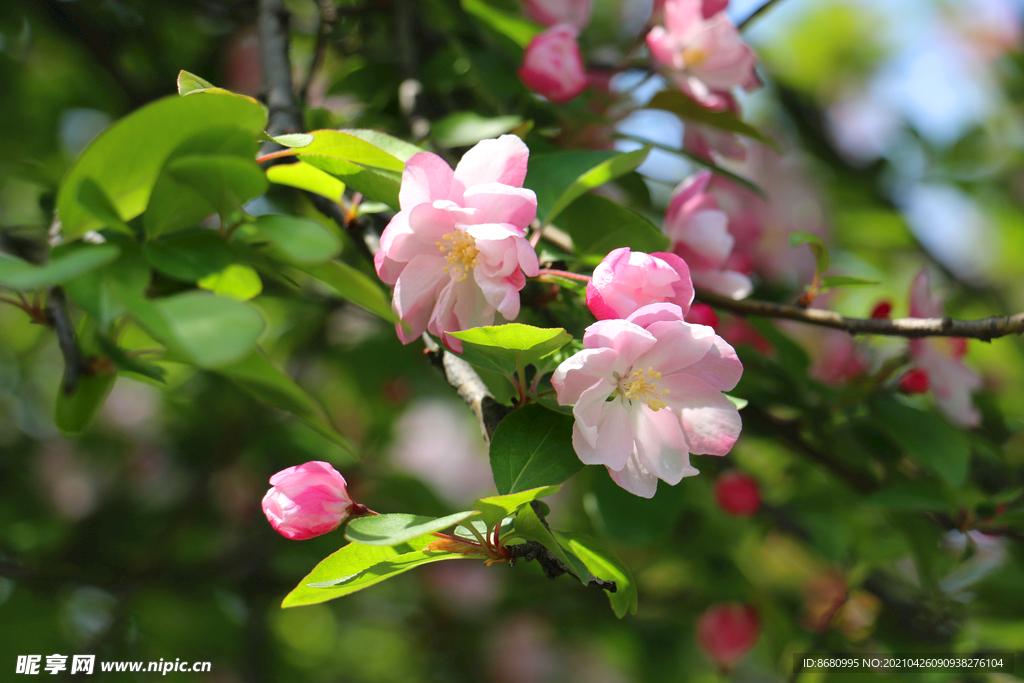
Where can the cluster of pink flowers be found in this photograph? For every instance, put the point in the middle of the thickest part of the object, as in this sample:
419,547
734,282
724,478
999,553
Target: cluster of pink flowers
552,63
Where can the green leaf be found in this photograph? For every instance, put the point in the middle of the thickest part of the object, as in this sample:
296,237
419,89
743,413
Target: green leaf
126,159
189,82
293,140
597,225
911,495
603,564
96,201
559,178
234,282
926,437
834,281
380,186
529,525
65,265
264,380
123,361
357,566
519,30
682,106
464,128
101,292
299,240
76,411
337,144
189,257
740,403
395,529
497,508
349,283
306,177
532,447
816,245
396,147
514,341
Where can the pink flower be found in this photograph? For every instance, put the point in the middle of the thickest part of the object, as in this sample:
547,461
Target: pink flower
647,392
951,382
551,12
456,252
626,280
705,51
700,236
553,66
707,142
307,500
726,632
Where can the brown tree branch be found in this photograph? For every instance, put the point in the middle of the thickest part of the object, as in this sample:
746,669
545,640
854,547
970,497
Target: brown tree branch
471,389
985,329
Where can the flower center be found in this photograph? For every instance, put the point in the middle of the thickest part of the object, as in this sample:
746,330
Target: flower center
640,386
694,56
460,251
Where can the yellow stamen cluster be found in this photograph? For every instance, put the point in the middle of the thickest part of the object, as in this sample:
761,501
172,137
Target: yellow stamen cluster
694,56
640,386
460,250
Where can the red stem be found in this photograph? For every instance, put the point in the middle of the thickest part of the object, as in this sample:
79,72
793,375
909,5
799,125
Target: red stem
563,273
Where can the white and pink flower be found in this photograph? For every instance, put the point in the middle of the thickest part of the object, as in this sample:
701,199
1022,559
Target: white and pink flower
307,500
551,12
941,359
700,235
626,280
703,49
647,392
456,253
553,65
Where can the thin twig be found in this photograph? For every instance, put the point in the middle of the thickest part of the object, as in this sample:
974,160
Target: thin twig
755,14
74,363
327,16
985,329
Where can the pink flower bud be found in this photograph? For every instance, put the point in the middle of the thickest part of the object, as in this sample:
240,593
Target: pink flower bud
551,12
882,310
553,66
914,381
738,494
726,632
307,500
626,280
702,314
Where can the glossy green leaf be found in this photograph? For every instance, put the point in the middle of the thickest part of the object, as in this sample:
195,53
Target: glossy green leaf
559,178
237,282
299,240
102,292
817,246
337,144
305,177
126,159
519,30
396,147
189,82
926,436
497,508
603,564
529,525
349,283
835,281
128,363
394,529
597,225
189,257
65,265
685,108
357,566
97,203
379,186
514,341
264,380
464,128
532,447
76,411
293,140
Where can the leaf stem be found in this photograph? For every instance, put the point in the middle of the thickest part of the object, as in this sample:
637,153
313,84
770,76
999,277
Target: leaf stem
562,273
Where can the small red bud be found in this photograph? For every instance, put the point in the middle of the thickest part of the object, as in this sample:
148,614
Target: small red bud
726,632
882,310
738,494
914,381
702,314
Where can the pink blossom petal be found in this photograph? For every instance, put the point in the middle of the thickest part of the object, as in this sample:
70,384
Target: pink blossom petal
710,420
720,367
494,161
602,434
922,303
498,203
661,446
635,478
580,372
680,344
652,313
426,177
628,339
415,292
728,283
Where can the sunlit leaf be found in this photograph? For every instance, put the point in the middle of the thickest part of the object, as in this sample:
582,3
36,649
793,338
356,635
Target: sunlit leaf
603,564
532,447
237,282
497,508
18,274
394,529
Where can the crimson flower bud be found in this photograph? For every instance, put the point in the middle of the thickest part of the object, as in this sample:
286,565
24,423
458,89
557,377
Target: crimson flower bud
553,66
726,632
738,494
914,381
702,314
307,500
882,310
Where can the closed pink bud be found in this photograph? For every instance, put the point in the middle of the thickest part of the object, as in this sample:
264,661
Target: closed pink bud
307,500
626,280
726,632
553,66
738,494
551,12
